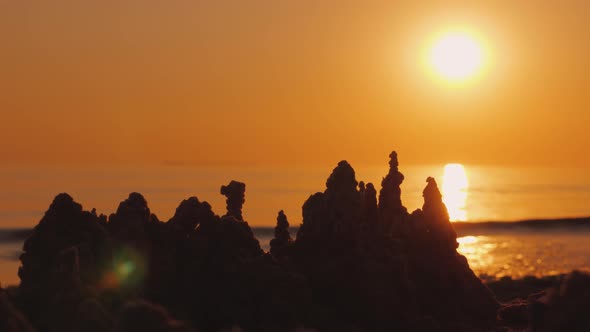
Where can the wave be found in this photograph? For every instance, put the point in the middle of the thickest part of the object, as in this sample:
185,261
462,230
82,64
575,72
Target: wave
463,228
14,235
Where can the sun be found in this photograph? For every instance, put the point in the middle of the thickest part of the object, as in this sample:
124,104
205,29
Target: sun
456,56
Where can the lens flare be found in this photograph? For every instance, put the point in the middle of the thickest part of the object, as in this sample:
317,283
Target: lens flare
126,272
125,269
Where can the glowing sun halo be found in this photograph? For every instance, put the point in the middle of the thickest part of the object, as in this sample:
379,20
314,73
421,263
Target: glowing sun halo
456,56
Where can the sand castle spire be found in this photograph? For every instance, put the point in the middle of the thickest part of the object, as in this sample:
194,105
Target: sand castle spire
390,203
236,197
282,237
437,215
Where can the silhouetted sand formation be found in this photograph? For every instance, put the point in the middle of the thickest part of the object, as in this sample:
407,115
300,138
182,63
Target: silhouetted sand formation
356,265
562,307
282,238
390,203
68,244
147,317
11,319
236,197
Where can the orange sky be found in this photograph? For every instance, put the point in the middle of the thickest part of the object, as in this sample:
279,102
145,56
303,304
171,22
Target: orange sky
288,83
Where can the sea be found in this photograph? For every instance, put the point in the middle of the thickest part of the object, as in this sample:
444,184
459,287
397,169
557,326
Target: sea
473,194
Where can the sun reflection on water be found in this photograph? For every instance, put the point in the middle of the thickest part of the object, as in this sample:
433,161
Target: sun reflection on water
454,190
477,251
467,240
518,255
